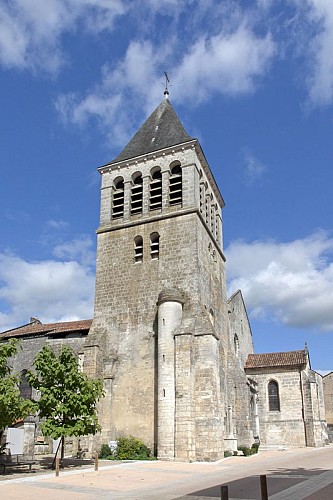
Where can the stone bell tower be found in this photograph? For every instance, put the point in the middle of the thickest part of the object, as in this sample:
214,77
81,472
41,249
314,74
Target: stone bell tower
159,333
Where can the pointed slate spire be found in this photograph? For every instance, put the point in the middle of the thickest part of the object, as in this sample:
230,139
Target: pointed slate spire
161,130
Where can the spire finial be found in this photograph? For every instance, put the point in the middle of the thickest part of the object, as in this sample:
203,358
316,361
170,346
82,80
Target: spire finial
166,91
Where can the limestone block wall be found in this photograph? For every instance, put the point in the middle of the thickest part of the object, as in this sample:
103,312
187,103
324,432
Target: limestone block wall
238,397
241,342
314,411
185,444
328,401
126,309
209,434
284,427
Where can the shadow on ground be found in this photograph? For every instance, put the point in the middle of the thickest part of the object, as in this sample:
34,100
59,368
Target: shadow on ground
44,464
249,487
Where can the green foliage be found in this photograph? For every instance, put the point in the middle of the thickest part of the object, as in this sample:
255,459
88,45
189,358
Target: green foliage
249,451
255,447
228,453
105,452
128,448
68,398
132,448
12,406
246,450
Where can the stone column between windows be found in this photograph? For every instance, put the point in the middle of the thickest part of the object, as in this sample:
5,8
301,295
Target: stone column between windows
127,199
145,194
106,203
165,189
218,230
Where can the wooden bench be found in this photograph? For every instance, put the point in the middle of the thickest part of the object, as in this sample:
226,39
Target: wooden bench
7,461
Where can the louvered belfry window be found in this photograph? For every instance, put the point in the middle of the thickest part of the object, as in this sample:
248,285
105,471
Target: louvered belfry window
176,191
155,193
136,195
155,246
138,249
118,199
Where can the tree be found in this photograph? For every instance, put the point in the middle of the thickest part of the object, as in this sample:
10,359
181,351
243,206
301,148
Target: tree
68,397
12,405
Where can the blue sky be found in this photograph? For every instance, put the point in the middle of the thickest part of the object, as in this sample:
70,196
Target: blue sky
253,80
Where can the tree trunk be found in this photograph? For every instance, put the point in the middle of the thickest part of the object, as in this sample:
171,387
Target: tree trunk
62,451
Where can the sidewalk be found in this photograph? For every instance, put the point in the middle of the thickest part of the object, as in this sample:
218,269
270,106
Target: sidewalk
295,474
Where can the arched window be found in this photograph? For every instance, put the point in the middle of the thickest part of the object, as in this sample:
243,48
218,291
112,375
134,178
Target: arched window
25,387
175,185
212,217
207,208
236,345
217,229
155,246
211,315
155,198
273,396
118,199
138,249
136,194
202,196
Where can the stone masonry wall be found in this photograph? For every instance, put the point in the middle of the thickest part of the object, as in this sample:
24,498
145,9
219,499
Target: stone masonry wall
328,399
285,427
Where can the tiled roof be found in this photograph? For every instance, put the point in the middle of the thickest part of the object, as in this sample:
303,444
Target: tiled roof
289,358
47,328
161,130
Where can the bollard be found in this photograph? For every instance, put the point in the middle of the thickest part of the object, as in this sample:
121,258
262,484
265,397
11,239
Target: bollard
263,488
96,461
57,467
224,493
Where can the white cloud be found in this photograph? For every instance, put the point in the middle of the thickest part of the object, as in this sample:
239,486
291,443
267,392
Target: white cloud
321,80
291,282
254,169
53,290
80,249
31,30
57,224
227,63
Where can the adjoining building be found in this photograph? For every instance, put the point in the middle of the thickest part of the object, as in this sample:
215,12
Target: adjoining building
176,356
328,398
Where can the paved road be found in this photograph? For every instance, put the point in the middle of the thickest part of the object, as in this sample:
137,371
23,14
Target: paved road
295,475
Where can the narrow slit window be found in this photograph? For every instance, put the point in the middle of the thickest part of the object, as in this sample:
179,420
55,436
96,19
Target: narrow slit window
175,186
155,192
138,249
207,213
236,345
137,195
155,246
202,197
217,229
212,218
273,396
118,199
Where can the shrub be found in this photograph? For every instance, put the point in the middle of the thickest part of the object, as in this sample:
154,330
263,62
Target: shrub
235,453
228,453
132,448
246,451
105,452
128,448
255,447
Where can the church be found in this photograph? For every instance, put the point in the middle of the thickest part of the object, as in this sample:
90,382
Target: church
175,353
